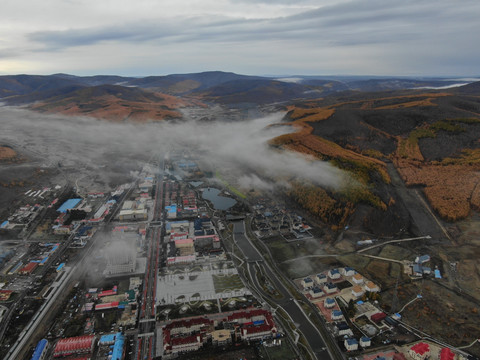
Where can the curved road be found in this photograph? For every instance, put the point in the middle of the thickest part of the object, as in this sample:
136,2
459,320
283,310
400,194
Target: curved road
290,305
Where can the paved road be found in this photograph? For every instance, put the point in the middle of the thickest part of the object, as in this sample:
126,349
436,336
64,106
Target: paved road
300,319
146,334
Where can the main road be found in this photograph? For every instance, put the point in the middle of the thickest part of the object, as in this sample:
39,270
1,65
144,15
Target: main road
146,333
288,303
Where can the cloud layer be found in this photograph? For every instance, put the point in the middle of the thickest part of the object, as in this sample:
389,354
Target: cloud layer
101,149
268,37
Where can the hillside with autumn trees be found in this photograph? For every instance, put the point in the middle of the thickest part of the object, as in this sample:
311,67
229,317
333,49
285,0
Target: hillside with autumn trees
431,138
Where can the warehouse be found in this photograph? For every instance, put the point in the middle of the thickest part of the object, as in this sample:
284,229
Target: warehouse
74,345
68,205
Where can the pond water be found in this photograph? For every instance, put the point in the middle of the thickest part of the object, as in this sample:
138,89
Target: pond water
219,202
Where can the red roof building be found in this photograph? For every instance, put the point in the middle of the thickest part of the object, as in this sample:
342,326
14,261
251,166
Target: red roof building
419,351
74,345
399,356
106,306
446,354
5,294
108,292
28,269
378,317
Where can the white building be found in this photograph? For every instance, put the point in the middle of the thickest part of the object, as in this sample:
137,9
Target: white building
357,279
365,342
329,303
348,271
316,292
320,279
357,291
337,315
307,282
334,274
351,344
330,288
121,258
371,287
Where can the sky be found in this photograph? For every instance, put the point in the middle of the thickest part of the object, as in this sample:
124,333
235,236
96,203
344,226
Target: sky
257,37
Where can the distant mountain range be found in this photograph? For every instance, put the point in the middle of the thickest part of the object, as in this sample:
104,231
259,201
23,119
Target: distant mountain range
160,97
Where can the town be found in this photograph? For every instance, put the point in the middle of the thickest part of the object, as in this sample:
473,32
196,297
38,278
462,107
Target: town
174,264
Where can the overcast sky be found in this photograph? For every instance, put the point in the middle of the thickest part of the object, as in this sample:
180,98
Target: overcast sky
266,37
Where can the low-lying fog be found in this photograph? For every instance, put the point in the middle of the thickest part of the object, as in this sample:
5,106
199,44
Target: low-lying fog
80,143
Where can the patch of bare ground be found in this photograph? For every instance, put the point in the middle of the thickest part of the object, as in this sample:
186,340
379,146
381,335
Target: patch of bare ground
441,312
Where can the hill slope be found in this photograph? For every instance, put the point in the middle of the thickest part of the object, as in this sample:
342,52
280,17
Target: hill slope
111,102
431,138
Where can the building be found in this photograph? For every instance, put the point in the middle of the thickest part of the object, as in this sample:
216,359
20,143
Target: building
185,247
337,315
171,211
329,303
334,274
182,344
40,351
446,354
351,344
419,351
422,259
133,214
376,318
207,242
121,258
180,226
74,345
254,324
221,337
371,287
357,279
259,332
357,291
320,279
28,269
315,292
365,342
307,282
330,288
348,271
344,329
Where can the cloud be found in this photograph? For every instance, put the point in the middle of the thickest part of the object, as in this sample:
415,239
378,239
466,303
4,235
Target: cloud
111,150
309,37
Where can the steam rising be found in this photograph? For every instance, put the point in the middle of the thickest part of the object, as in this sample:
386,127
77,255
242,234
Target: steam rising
81,144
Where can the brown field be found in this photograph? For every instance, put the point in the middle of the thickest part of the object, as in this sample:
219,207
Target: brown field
450,189
112,108
7,153
441,313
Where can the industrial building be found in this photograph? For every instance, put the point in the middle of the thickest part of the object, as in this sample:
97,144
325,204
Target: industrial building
74,345
133,210
40,351
121,258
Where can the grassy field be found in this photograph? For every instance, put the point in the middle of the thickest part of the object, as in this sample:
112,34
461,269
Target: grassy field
227,283
230,188
281,352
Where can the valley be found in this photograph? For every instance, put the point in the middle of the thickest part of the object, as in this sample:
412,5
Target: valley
360,192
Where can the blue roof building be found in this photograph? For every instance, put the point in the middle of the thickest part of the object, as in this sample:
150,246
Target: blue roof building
117,351
68,205
40,350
